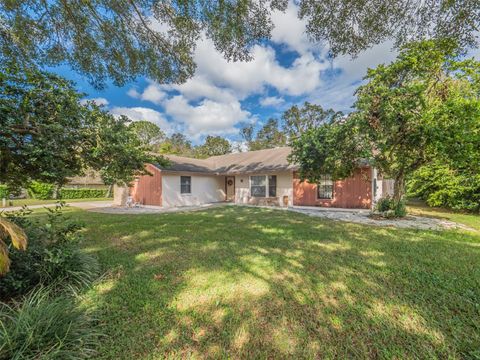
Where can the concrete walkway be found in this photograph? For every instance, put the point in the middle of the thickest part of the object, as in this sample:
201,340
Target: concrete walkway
363,217
146,209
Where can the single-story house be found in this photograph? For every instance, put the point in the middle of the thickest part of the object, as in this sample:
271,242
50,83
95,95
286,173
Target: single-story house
263,177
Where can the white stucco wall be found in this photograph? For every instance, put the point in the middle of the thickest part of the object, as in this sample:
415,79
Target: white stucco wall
384,186
284,187
205,189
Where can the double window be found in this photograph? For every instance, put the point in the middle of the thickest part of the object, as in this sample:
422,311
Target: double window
261,185
325,187
185,184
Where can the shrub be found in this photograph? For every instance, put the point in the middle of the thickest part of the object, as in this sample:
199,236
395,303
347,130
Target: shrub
39,190
4,192
53,255
46,326
389,208
439,185
82,193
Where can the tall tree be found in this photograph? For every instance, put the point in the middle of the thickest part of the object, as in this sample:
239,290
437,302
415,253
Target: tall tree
46,134
213,146
297,120
177,144
423,107
269,136
124,39
149,134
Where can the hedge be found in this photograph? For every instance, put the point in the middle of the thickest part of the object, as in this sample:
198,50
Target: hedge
82,193
40,190
3,192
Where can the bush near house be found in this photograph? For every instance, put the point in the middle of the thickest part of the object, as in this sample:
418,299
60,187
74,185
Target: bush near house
387,207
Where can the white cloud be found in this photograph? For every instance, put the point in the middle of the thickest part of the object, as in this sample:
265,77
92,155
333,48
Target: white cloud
290,31
142,113
100,101
200,87
271,101
338,90
152,93
246,78
134,93
208,117
210,102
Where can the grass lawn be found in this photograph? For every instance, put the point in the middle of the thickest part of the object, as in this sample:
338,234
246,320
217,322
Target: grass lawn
471,220
29,202
256,283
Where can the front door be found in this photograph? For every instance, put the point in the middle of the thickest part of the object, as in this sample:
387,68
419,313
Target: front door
230,185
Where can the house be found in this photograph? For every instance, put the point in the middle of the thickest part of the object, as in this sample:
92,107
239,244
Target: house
91,180
263,177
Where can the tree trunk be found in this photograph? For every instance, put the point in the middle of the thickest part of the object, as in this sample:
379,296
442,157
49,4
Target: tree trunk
109,191
55,192
399,187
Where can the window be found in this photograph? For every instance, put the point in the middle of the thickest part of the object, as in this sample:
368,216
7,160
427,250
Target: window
185,184
272,185
260,184
325,187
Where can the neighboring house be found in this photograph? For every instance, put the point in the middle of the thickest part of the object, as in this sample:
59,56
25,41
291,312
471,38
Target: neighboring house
263,177
91,180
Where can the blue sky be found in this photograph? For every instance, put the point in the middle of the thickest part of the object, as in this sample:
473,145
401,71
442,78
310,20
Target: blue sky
224,95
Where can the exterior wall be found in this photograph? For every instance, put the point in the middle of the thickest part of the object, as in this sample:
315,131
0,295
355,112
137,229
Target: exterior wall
147,190
387,187
205,189
353,192
284,188
120,195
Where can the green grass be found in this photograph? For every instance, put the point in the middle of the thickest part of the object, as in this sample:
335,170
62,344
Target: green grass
29,202
469,219
256,283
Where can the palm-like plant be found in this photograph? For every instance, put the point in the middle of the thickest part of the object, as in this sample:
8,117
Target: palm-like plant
18,238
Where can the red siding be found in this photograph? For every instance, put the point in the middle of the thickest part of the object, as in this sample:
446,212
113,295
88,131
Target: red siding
353,192
147,189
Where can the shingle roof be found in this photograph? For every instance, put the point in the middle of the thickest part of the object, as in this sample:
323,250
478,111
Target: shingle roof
268,160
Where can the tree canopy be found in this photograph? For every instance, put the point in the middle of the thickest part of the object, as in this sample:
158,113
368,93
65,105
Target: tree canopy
270,135
149,134
297,120
46,134
213,146
125,39
423,107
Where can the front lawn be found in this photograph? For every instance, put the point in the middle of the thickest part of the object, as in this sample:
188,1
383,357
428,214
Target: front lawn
30,202
256,283
469,219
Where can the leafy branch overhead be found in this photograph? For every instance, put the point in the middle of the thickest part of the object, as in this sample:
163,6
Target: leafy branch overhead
46,134
125,39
